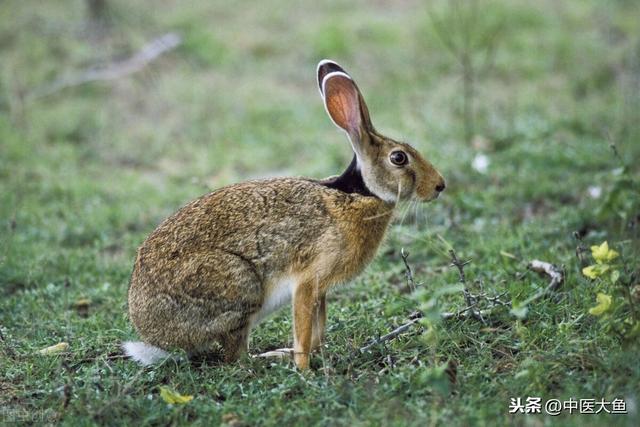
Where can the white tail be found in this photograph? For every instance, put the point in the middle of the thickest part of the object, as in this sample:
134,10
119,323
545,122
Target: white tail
143,353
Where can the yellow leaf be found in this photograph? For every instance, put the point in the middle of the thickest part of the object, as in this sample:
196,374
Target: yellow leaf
604,304
602,254
54,349
593,271
173,397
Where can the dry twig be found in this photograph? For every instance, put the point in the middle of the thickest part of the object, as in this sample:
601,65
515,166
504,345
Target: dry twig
470,299
407,270
479,306
555,274
391,335
137,62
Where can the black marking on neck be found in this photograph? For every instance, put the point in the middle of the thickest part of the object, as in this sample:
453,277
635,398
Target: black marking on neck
350,181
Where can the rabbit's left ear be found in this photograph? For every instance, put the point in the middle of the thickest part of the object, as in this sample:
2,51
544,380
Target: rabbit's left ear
343,100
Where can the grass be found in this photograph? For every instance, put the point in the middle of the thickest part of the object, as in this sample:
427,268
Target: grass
88,172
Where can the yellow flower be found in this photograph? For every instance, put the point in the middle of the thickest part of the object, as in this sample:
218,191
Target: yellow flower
604,304
595,270
602,254
173,397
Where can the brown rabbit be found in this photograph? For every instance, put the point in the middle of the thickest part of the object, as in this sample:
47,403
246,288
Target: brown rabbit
212,271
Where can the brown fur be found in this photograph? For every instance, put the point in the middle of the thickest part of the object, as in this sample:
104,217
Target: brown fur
203,275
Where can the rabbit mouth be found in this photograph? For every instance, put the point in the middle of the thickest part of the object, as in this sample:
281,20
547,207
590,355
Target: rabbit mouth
431,197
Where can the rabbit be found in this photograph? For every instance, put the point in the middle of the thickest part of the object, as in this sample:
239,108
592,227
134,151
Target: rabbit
209,273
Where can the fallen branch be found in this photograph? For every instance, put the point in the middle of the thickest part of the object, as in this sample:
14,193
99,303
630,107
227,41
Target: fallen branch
555,274
391,335
473,308
101,357
137,62
471,299
463,313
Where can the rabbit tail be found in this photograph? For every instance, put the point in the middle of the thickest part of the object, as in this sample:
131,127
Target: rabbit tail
143,353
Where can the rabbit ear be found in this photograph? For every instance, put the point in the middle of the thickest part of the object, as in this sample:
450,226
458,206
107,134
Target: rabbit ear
325,67
345,104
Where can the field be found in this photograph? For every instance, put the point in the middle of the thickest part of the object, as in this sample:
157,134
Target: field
530,110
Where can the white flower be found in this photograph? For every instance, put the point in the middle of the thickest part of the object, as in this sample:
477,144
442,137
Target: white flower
594,191
480,163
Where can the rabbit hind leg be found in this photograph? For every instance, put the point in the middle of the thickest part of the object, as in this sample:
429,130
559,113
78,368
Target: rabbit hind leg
226,348
235,343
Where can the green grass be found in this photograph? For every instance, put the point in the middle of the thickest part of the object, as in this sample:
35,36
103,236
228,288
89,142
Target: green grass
86,173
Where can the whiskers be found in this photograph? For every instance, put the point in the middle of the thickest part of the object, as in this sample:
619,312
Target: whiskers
418,233
404,212
413,225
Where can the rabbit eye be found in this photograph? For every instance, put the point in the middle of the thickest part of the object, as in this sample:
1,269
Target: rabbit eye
398,158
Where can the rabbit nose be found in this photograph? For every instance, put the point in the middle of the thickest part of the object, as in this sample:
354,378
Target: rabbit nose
440,187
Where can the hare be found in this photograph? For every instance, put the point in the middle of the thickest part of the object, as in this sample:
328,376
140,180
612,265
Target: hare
209,273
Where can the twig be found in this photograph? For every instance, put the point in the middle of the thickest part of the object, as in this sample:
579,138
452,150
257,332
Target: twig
391,335
407,270
470,299
470,310
459,265
580,249
555,273
415,318
137,62
463,313
473,309
496,300
99,357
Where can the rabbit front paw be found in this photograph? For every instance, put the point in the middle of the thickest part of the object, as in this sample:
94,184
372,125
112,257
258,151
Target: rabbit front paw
280,353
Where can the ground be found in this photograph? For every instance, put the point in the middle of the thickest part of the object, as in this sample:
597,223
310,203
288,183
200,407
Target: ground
516,103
